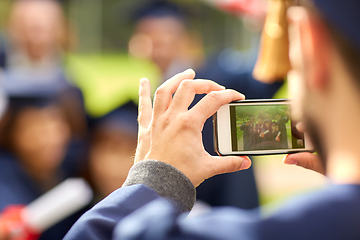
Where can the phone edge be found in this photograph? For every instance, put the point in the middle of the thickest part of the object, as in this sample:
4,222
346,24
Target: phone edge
215,128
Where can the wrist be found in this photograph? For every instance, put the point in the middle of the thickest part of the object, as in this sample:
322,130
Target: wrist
166,180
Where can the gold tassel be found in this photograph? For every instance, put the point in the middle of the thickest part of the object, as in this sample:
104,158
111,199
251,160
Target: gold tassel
273,61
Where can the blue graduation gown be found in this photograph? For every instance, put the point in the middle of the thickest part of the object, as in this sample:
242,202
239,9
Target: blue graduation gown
137,212
17,187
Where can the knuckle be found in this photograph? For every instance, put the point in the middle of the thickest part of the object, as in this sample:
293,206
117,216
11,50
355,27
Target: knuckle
141,110
215,96
160,91
166,120
139,117
234,164
208,88
308,165
186,84
186,121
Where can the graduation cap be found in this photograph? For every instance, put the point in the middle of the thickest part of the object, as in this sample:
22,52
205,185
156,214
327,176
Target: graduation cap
15,85
344,16
273,61
122,119
16,103
160,8
20,90
19,93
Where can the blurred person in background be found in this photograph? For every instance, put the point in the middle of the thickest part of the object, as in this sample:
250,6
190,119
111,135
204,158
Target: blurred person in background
281,123
248,129
112,147
36,153
35,40
36,37
162,34
43,130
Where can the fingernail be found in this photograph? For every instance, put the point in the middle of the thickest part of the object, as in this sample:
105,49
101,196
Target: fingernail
188,71
245,164
242,96
290,161
142,81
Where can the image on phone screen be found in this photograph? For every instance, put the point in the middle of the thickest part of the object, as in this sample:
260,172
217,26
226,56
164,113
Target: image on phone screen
263,127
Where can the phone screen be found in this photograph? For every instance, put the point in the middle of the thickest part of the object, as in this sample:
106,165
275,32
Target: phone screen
263,127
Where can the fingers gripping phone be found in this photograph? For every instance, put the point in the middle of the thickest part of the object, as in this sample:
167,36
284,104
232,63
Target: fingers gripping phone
258,127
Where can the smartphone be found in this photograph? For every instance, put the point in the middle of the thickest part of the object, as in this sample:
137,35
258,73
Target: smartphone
258,127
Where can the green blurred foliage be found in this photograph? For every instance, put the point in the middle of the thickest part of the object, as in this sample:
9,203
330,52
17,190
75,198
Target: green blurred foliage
109,80
105,25
4,11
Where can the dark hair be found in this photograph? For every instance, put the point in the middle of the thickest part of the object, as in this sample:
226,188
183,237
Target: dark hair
7,123
161,9
349,53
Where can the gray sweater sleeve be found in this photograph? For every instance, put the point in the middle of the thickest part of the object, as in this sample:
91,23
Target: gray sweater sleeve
166,180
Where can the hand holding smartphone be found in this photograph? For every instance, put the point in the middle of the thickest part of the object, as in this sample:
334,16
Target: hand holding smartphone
258,127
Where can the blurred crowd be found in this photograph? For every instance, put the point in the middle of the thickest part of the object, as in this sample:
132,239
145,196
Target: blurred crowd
46,135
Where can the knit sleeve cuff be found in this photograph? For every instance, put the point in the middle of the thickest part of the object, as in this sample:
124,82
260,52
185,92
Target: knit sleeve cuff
166,180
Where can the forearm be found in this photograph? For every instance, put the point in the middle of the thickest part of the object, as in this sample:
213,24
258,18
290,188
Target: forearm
147,180
99,222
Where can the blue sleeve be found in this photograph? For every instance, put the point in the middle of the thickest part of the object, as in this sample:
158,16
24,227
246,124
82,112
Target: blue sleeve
138,212
329,215
99,222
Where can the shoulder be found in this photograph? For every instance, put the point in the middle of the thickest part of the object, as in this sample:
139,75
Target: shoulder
100,221
332,213
8,165
16,187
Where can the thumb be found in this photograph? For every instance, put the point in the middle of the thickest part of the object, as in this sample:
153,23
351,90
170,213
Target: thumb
232,164
306,160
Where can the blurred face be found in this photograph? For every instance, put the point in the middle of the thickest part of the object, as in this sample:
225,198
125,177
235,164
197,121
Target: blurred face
40,137
36,27
260,121
111,158
267,125
304,107
277,116
296,75
273,127
159,39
